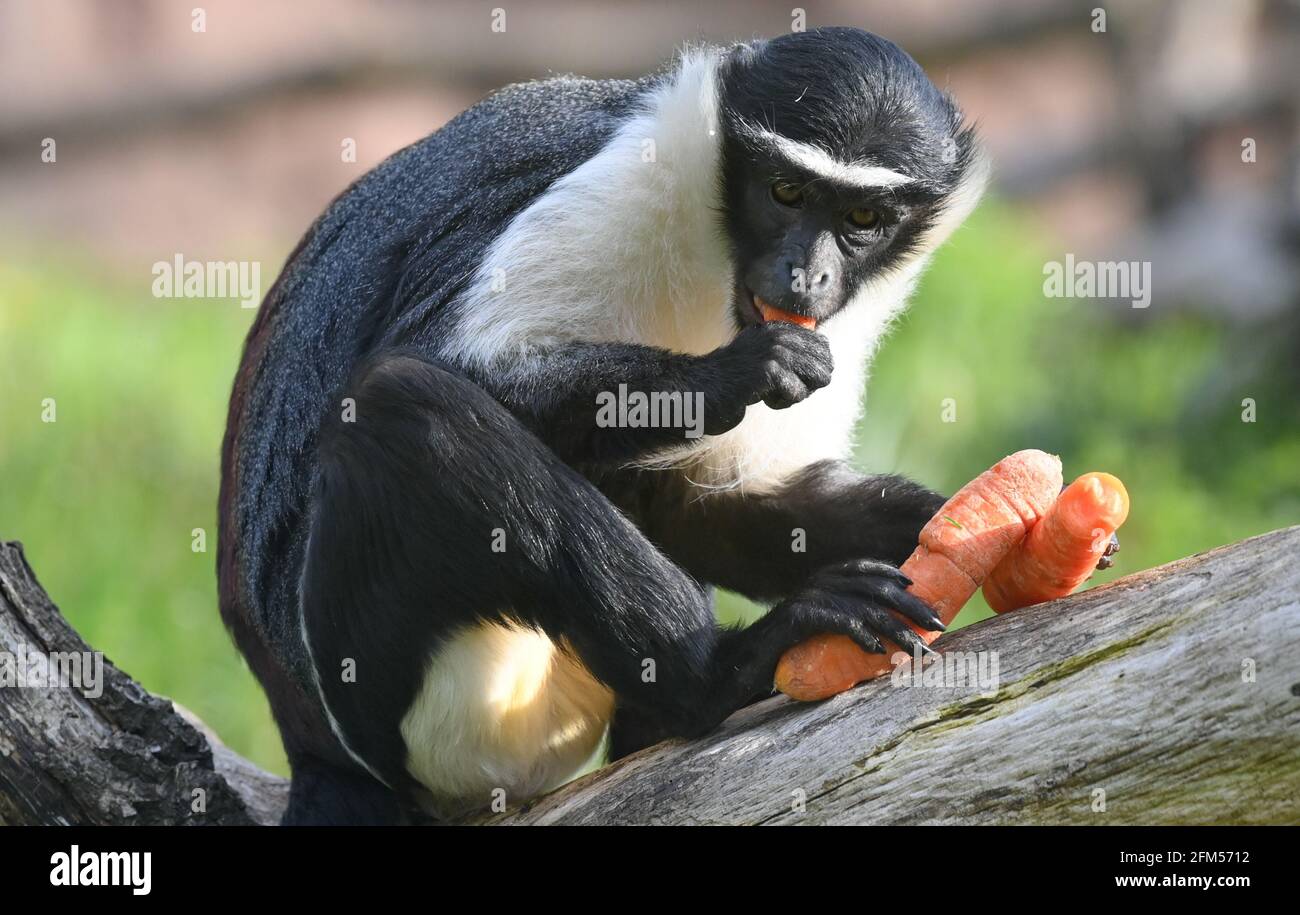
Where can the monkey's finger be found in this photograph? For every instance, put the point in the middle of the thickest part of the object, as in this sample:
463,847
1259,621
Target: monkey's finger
785,388
863,637
891,627
868,567
824,612
814,371
804,352
718,420
914,608
888,591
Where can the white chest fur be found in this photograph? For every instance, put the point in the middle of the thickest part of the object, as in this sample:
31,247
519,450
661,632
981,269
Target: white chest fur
769,445
625,248
629,248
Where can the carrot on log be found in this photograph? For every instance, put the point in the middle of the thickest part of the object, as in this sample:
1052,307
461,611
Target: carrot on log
959,547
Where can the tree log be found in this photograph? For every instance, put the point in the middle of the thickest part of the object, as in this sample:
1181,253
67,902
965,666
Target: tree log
1169,696
124,757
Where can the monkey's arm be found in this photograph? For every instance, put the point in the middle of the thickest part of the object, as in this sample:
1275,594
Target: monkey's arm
555,393
768,545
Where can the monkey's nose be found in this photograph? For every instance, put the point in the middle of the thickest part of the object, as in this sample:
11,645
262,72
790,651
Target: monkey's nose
801,278
807,288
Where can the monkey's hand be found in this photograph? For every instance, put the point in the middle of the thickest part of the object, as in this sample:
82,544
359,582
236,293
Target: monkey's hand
854,599
775,362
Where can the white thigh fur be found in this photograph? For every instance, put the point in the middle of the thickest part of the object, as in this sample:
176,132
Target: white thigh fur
503,707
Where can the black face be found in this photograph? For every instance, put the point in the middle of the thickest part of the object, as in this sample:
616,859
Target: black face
805,244
806,233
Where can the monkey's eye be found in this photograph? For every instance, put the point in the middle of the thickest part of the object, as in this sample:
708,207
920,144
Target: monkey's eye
787,194
864,219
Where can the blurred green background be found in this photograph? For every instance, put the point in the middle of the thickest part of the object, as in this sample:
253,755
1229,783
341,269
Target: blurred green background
224,143
105,499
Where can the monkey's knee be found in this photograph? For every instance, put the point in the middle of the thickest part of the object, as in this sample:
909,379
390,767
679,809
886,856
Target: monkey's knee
399,390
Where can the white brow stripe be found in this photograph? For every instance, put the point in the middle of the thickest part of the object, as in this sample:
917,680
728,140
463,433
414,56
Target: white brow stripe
824,165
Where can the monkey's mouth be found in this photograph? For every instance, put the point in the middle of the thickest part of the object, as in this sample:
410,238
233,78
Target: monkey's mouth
756,310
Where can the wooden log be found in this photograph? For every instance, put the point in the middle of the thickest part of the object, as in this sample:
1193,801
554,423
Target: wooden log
123,757
1169,696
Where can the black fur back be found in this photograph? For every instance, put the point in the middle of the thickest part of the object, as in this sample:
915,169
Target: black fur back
382,264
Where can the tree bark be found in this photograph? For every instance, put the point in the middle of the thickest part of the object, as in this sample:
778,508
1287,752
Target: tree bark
125,757
1169,696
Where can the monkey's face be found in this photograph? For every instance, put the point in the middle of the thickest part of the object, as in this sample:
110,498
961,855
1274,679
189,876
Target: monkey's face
838,156
805,244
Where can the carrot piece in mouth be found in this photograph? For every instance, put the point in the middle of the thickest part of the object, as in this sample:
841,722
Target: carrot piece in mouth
772,313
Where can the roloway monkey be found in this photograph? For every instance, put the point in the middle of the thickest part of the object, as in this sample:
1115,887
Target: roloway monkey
449,575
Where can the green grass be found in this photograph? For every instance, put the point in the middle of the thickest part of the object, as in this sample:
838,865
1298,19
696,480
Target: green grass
105,498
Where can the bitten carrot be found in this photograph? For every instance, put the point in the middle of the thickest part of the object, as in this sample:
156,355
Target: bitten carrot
772,313
1062,550
958,549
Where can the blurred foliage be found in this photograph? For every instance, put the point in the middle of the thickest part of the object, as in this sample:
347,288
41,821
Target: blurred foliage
105,499
1153,397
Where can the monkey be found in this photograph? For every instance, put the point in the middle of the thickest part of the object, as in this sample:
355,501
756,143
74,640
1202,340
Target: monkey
451,580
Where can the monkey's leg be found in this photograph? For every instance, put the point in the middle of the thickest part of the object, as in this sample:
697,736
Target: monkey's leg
438,514
322,794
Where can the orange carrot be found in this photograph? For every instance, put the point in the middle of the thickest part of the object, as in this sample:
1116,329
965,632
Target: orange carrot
1062,550
958,549
772,313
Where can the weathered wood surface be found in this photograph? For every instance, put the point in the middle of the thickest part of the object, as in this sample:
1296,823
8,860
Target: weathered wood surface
1171,696
124,757
1135,689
